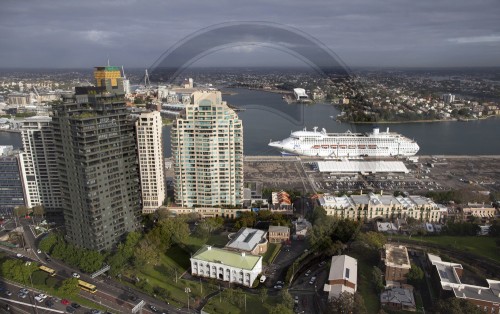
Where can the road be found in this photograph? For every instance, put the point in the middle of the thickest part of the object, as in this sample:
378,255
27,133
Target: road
110,294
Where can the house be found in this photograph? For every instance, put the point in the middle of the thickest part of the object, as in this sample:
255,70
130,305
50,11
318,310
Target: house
301,227
397,264
251,241
279,234
225,265
399,298
447,276
343,276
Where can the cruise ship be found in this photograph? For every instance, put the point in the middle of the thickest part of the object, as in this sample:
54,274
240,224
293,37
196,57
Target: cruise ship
348,144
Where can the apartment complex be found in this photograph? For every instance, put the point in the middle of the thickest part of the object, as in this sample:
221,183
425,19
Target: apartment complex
378,206
397,264
95,145
39,166
447,277
207,152
11,191
150,153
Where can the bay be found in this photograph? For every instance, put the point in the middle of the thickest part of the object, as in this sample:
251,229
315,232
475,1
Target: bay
267,116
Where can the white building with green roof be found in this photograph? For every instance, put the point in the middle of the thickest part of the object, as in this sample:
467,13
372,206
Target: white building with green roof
225,265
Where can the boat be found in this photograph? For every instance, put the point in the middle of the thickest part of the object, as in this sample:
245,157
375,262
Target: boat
347,144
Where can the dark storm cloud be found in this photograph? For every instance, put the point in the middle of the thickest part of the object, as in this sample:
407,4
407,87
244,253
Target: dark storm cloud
135,33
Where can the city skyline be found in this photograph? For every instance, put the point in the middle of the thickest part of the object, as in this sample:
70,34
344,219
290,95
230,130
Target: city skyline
423,34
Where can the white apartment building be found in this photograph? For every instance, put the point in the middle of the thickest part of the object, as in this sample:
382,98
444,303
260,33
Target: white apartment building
39,164
150,154
378,206
225,265
207,153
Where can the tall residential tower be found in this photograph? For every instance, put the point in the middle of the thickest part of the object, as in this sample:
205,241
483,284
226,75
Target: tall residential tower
149,148
207,152
97,163
39,166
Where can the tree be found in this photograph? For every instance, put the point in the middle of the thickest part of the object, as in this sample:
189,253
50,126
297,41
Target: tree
280,309
456,306
286,299
359,304
18,270
263,294
38,210
48,242
377,279
69,287
91,261
375,240
343,304
146,253
415,276
20,211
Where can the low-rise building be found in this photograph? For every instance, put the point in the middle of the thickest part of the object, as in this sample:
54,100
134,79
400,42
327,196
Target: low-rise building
398,298
281,201
397,264
207,212
251,241
343,276
378,206
279,234
301,226
447,275
225,265
479,210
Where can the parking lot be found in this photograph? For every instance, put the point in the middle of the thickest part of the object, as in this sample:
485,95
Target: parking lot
429,173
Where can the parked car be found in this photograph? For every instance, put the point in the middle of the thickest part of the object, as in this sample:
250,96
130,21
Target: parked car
75,275
153,308
278,287
75,305
313,279
7,292
22,295
23,290
49,303
64,302
296,299
308,272
70,309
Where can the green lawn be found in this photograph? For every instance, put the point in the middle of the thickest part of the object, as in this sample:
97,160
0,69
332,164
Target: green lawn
366,260
218,240
481,246
272,250
253,302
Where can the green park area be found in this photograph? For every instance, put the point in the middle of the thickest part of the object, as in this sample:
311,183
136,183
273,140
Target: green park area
479,245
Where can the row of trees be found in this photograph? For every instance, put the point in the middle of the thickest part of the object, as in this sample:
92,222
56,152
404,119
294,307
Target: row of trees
86,260
249,219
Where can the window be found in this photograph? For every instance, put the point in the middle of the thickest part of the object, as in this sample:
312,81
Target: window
347,272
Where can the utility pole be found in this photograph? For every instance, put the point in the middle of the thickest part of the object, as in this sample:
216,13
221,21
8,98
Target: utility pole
245,302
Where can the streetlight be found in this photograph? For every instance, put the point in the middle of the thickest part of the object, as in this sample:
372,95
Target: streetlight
187,290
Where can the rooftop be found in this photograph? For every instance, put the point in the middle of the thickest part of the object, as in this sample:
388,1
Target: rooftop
282,229
215,255
396,256
362,166
246,239
398,295
344,267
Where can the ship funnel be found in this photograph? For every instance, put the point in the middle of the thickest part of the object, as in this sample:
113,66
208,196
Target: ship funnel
387,130
376,130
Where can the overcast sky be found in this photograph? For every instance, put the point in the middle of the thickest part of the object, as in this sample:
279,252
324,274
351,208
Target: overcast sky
134,33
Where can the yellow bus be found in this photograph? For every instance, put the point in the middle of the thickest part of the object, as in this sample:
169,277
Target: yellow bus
87,286
48,270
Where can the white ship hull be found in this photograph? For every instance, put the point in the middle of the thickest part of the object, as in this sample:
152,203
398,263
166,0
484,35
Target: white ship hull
322,144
